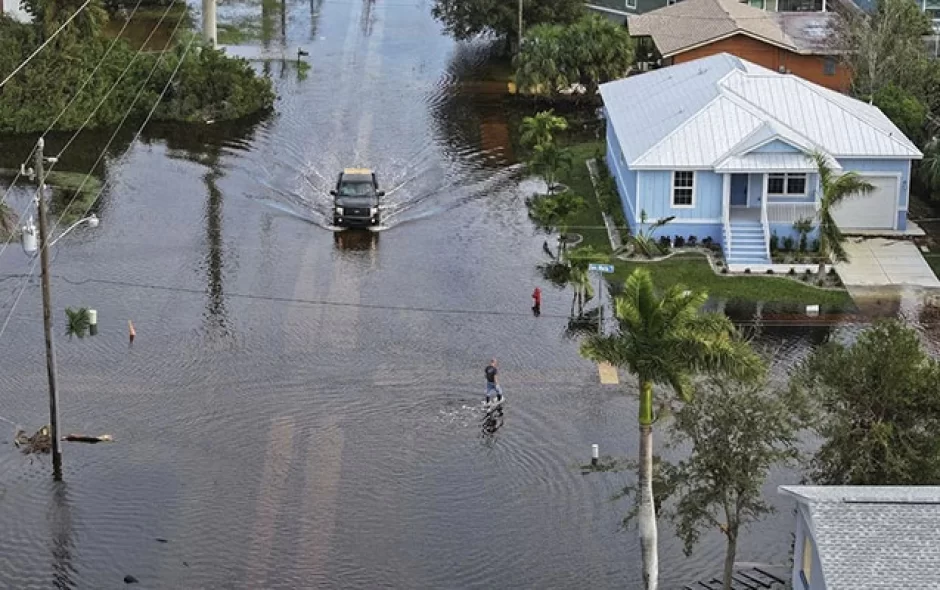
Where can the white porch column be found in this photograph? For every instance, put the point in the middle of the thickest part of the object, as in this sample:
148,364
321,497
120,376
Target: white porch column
726,194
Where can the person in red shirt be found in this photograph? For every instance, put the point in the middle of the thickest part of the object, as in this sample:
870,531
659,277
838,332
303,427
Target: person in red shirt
537,302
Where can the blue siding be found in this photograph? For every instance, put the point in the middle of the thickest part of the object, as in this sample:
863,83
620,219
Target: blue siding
786,229
777,146
656,196
623,176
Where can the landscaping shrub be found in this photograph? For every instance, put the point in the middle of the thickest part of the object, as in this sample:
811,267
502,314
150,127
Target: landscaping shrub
788,244
707,242
832,271
692,241
774,243
724,270
770,271
815,246
664,243
792,271
747,271
679,242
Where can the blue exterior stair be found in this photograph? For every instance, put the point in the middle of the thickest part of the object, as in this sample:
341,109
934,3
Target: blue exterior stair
747,243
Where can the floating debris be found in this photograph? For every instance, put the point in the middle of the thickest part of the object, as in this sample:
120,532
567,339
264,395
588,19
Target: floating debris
88,439
41,442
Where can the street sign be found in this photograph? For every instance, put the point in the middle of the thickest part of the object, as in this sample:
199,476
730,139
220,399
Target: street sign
605,268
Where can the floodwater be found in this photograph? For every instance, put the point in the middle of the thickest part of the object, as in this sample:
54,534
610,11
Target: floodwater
299,408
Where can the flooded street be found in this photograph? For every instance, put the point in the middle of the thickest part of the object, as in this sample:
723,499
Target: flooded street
299,408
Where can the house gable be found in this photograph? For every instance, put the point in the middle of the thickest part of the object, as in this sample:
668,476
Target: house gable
776,146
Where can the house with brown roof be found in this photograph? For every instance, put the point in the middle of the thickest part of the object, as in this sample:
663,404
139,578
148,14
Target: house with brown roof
799,43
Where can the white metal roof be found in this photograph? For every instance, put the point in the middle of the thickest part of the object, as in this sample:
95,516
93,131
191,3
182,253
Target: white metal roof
767,161
692,114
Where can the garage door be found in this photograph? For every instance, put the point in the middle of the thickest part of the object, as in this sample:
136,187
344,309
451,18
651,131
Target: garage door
876,210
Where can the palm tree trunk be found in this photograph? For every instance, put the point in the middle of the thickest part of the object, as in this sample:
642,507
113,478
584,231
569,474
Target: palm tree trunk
646,513
822,263
731,551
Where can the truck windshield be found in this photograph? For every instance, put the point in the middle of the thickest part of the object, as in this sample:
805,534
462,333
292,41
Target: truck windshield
356,189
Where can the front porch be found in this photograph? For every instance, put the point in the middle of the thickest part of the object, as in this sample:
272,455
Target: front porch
755,204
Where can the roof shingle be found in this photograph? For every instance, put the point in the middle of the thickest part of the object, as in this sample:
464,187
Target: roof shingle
875,537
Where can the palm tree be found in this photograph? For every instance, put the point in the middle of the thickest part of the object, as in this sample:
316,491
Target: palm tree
834,190
540,129
929,169
666,340
579,260
548,160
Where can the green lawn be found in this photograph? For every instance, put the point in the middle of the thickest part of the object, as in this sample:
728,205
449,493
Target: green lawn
693,271
587,222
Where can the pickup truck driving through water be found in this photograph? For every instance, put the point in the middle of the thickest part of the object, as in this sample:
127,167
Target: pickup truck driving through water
356,198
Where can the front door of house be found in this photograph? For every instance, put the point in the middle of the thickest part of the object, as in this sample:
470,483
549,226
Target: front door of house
739,190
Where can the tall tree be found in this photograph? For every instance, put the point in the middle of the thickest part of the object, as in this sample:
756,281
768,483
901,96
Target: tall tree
589,52
665,339
885,47
878,405
737,432
835,189
466,19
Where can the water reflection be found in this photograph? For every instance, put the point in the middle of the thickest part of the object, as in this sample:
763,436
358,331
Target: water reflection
216,314
356,240
367,20
60,524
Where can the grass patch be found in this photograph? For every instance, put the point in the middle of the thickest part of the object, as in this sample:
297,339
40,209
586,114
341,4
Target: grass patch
934,261
66,185
588,222
694,272
239,33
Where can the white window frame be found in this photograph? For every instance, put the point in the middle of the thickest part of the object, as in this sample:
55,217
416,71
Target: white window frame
631,4
672,200
786,184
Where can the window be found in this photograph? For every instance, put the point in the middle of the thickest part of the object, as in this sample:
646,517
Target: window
786,185
806,568
683,188
631,4
757,4
829,66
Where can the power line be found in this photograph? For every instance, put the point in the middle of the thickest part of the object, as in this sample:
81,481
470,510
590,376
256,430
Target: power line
40,192
156,103
44,44
823,320
75,96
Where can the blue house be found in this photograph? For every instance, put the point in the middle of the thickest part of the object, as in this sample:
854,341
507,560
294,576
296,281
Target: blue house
724,146
860,537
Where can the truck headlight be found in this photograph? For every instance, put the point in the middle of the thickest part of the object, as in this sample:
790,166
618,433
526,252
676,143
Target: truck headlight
373,210
339,210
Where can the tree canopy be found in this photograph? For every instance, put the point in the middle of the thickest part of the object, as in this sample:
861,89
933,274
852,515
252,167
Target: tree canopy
466,19
878,405
208,85
589,52
737,432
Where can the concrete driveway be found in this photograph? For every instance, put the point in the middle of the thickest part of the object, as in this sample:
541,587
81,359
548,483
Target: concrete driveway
876,262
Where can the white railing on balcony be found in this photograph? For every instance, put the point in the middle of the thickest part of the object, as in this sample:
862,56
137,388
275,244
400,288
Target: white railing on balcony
766,226
790,212
726,216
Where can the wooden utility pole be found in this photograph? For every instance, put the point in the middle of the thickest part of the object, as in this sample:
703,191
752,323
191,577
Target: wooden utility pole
47,318
209,31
